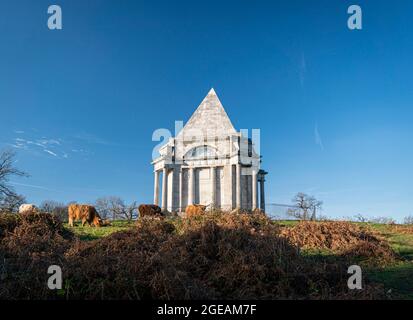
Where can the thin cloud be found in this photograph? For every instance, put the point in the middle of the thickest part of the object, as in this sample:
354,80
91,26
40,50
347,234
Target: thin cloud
40,145
317,137
18,146
30,186
25,185
50,152
44,141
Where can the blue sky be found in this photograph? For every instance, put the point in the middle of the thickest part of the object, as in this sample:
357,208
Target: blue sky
334,106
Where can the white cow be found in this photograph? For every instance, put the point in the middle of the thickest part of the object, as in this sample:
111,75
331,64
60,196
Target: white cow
27,208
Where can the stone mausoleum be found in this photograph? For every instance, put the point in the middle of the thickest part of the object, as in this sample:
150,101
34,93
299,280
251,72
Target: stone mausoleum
209,163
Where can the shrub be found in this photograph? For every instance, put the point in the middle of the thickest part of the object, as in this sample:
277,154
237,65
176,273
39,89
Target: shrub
347,239
216,256
8,222
28,248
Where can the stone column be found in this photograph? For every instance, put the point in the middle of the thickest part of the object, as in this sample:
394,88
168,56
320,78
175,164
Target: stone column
156,189
171,206
213,186
181,188
238,186
191,191
262,194
254,189
231,180
164,189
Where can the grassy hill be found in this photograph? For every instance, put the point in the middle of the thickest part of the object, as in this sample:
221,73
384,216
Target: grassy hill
209,256
397,277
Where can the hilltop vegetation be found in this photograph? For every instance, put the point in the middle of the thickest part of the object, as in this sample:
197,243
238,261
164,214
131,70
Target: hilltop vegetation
228,256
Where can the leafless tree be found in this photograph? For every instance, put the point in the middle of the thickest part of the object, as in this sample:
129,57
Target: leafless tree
58,209
408,220
103,207
382,220
131,211
315,205
116,208
8,170
304,205
360,218
11,203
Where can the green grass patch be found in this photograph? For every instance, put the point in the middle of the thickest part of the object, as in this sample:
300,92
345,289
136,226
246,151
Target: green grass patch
400,242
87,233
398,279
287,223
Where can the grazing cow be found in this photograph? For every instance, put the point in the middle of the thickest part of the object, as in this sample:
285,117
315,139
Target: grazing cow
149,210
86,213
28,208
194,210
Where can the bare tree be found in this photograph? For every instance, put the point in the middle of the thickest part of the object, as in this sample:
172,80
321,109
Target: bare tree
103,207
57,209
304,205
116,205
360,218
383,220
116,208
315,205
11,203
130,211
7,170
408,220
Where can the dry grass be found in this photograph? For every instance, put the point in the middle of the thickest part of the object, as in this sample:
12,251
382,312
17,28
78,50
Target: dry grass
8,222
31,243
343,238
216,256
117,266
401,229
